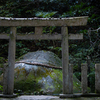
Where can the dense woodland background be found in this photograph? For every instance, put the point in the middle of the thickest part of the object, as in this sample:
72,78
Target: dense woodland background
81,51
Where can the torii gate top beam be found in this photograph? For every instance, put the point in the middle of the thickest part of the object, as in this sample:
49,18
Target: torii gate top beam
71,21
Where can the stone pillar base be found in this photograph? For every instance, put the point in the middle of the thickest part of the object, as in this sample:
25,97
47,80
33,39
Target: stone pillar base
8,96
66,95
90,95
75,95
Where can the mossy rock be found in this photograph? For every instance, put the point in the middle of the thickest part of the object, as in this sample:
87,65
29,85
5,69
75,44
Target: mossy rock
49,80
36,78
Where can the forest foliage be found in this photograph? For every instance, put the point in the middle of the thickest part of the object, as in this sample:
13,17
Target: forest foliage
79,50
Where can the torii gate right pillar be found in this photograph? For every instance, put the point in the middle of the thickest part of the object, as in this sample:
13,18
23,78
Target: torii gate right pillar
65,60
67,70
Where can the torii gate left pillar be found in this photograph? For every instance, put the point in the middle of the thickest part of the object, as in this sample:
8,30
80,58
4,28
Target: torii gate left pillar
8,76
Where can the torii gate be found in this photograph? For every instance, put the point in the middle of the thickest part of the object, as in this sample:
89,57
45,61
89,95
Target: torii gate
38,23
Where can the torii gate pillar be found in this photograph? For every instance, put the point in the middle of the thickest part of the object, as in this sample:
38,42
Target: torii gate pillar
65,58
67,69
9,69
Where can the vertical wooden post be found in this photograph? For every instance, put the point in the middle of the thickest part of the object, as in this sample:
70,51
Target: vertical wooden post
65,59
97,78
11,61
84,78
70,78
88,66
5,79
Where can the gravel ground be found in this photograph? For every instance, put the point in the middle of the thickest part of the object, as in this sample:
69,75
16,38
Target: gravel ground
32,98
42,97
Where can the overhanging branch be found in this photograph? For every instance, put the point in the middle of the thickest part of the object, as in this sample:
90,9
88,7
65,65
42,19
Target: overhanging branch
38,64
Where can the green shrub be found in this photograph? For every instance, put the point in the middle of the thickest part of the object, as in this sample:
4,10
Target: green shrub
26,86
1,88
78,75
2,60
92,81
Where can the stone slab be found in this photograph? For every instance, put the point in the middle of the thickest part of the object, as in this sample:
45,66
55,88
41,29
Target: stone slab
8,96
33,97
46,97
79,95
66,95
90,95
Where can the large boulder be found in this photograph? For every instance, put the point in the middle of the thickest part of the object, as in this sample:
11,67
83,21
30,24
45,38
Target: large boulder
44,79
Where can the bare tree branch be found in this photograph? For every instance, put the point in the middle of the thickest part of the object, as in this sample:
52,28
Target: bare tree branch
43,65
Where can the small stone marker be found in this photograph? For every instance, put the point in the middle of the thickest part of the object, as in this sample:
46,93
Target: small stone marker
97,78
84,78
70,79
5,74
